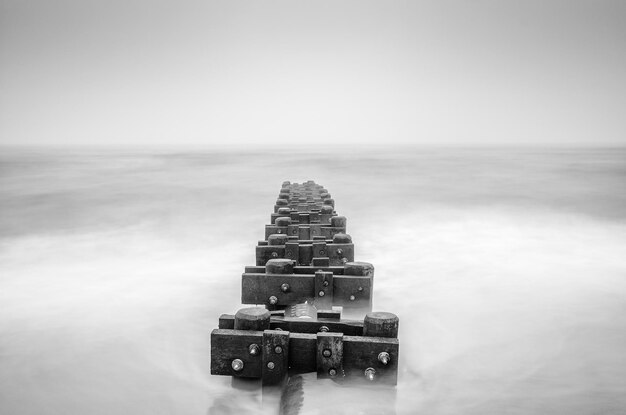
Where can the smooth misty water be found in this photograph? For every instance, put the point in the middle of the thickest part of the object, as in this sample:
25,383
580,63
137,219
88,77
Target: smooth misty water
506,267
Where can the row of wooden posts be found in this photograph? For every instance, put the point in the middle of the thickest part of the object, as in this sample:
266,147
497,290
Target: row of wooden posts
305,276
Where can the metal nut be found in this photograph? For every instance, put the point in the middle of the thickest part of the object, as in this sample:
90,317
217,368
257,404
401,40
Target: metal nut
274,254
327,353
339,251
352,298
321,293
270,365
332,372
285,287
278,349
253,349
273,300
324,329
370,373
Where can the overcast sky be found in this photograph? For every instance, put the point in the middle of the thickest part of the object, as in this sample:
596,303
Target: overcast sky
372,72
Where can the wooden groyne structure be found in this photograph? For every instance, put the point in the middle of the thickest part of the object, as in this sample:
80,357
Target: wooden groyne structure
304,277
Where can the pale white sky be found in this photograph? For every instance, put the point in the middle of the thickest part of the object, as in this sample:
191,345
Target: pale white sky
312,72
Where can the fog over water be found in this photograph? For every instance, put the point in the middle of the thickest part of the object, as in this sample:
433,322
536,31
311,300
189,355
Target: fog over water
505,265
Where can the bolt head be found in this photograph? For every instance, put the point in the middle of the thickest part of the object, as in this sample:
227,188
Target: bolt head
360,288
278,349
273,300
339,251
279,231
274,254
370,374
321,293
352,298
237,365
324,329
332,372
383,357
284,288
327,353
322,252
270,365
325,284
253,349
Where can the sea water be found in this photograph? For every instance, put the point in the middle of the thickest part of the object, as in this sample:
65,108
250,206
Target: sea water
505,265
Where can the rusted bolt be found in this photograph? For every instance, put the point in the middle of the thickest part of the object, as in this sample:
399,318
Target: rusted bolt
352,298
332,372
237,365
273,300
274,254
321,293
325,283
322,252
278,349
339,251
285,287
253,349
270,365
327,353
383,357
370,373
324,329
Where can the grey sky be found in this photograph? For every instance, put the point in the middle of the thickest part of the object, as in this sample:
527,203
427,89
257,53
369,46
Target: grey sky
238,72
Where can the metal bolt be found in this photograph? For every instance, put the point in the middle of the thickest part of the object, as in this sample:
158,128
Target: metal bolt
383,357
352,298
273,300
253,349
325,283
321,293
327,353
279,350
322,252
370,373
360,288
324,329
339,251
270,365
279,231
237,365
344,260
288,255
274,254
284,288
332,372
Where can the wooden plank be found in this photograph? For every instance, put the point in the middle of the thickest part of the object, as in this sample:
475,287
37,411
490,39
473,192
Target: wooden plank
227,321
361,353
273,229
323,289
329,355
302,353
300,325
339,254
275,352
228,345
348,291
265,253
